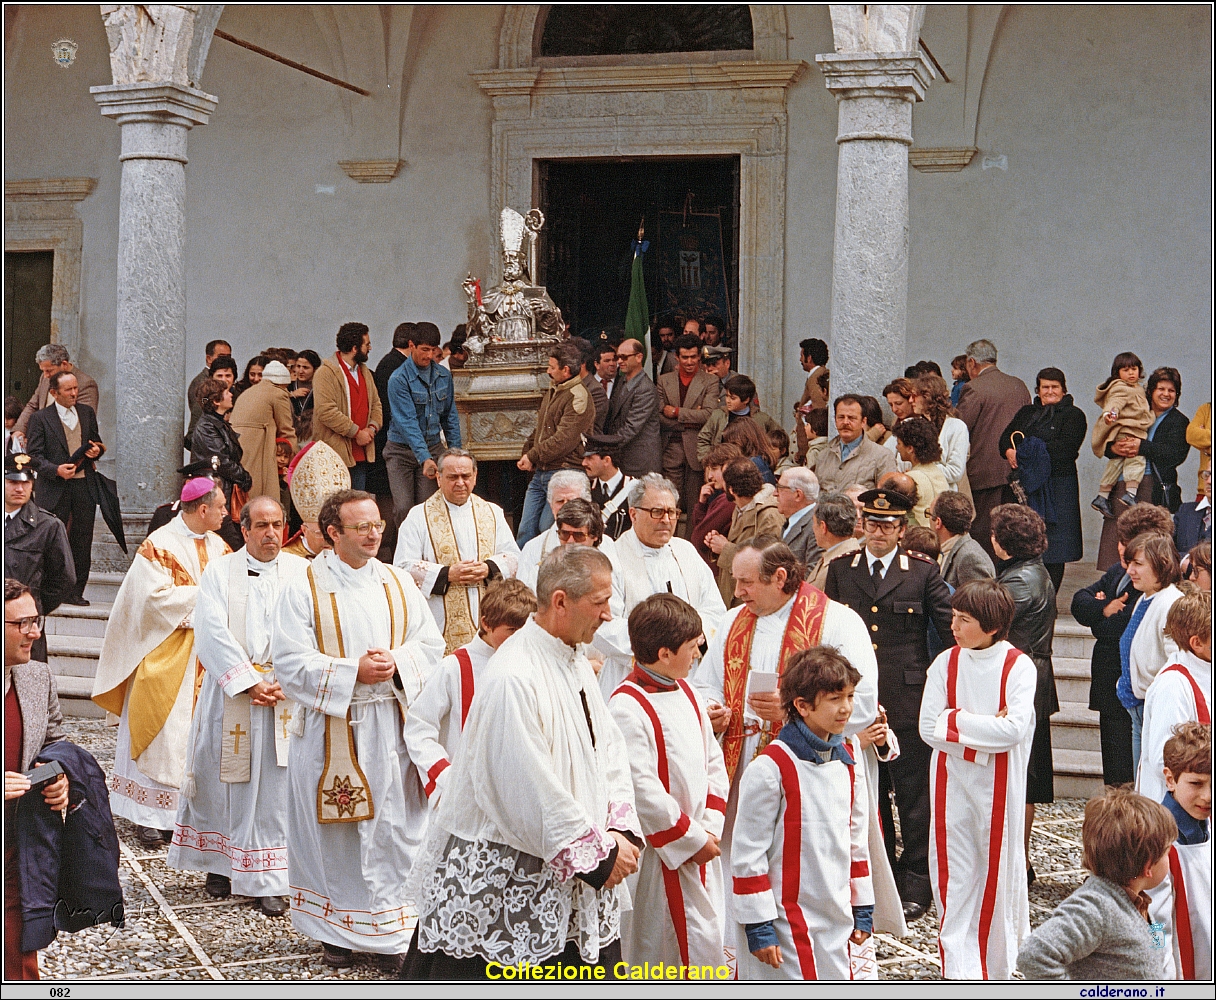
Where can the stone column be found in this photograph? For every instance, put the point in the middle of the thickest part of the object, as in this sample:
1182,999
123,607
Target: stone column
875,92
150,382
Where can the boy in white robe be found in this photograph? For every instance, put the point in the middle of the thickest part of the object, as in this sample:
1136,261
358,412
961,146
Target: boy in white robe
356,812
435,722
1183,902
1181,691
232,821
803,899
977,713
679,787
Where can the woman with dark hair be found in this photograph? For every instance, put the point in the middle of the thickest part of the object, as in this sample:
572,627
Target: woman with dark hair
714,508
1061,426
216,442
754,443
1165,449
918,448
300,391
900,395
933,402
755,514
871,413
1019,539
252,376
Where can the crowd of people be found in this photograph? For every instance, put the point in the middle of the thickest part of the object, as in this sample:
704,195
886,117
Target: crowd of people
669,709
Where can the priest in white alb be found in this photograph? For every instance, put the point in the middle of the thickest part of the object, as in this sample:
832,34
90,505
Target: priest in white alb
651,559
352,647
537,830
566,485
232,819
453,545
147,669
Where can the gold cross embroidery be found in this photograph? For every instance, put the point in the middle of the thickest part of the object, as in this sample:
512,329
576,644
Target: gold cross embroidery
236,733
285,718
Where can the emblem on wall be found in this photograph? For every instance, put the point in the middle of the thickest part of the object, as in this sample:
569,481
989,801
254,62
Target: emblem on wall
64,52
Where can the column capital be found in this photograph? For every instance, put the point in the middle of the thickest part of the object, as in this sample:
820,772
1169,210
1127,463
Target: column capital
157,102
901,75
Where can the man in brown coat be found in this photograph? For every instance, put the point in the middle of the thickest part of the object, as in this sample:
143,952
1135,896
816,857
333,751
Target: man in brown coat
687,396
566,413
263,413
52,359
986,405
347,410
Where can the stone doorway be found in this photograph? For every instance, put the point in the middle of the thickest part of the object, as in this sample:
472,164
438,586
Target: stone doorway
592,210
28,293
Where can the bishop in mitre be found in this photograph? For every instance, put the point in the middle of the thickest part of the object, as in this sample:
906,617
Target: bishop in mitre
453,545
147,672
353,645
232,818
316,472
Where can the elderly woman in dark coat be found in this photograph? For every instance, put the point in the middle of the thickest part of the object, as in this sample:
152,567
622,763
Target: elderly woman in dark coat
1019,539
1060,425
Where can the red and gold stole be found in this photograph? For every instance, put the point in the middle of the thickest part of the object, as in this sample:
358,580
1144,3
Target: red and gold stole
802,631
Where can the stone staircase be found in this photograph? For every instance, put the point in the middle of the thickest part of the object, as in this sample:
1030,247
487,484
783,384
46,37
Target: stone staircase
1075,740
73,641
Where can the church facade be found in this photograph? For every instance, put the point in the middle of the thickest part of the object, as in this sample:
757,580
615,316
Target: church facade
898,182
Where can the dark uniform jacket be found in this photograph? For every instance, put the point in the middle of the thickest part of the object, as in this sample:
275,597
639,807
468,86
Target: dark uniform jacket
36,552
897,616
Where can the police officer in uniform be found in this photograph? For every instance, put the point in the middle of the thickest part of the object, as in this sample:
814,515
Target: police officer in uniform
36,550
897,594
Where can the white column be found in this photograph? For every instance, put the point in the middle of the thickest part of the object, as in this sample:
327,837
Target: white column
150,383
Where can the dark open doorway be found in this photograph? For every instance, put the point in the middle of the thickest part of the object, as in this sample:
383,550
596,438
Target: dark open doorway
592,210
28,281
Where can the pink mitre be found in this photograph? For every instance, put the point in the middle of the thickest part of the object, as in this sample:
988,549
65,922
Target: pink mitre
199,486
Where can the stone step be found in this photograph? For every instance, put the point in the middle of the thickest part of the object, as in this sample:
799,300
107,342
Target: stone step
1078,773
1072,678
73,655
68,619
1072,639
1075,727
103,587
74,697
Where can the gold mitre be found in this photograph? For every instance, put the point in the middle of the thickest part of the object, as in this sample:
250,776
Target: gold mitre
319,474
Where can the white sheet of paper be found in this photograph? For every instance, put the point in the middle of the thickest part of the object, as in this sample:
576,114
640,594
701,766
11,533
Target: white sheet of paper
758,682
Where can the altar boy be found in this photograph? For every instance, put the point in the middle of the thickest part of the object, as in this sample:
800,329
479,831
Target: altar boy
680,789
977,714
799,854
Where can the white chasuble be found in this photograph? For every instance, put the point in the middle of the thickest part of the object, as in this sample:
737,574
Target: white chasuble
977,778
478,531
147,671
346,878
640,571
236,828
679,786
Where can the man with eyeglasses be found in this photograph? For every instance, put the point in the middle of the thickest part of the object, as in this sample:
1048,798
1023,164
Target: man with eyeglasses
652,560
897,593
36,549
353,643
632,426
566,485
148,664
232,824
453,545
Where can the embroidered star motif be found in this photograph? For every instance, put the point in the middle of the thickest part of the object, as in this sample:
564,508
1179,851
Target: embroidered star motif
343,796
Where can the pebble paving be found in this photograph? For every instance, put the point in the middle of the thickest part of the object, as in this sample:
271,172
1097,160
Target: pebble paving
186,935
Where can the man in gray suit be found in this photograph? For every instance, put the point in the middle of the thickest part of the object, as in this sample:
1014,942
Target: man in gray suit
632,427
797,491
687,395
962,559
986,405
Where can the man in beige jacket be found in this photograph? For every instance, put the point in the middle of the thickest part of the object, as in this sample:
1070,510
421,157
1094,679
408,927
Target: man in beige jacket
263,413
851,457
346,405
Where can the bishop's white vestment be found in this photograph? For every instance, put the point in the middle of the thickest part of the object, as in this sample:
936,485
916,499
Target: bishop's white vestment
347,878
679,787
800,858
237,828
640,571
435,535
147,671
540,780
977,779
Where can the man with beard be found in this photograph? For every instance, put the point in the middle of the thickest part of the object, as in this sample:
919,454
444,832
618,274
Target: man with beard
347,410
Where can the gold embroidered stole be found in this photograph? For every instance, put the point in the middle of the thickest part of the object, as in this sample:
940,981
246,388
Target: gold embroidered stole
802,631
458,624
343,794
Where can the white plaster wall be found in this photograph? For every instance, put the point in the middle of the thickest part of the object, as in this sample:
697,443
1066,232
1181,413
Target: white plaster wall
1096,238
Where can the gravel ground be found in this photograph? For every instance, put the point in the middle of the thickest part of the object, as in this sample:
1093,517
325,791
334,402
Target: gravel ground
234,940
